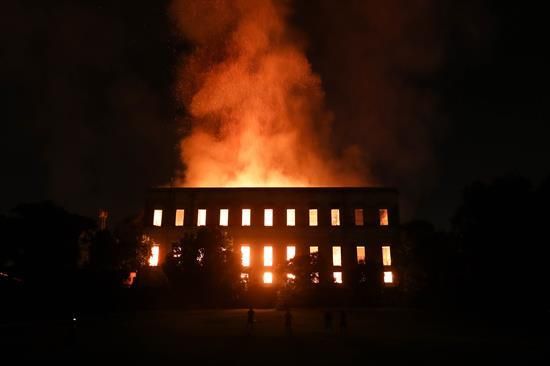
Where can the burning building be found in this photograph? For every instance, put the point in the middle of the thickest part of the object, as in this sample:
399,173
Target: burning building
350,227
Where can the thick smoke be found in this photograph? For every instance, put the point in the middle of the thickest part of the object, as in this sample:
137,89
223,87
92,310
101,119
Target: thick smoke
256,107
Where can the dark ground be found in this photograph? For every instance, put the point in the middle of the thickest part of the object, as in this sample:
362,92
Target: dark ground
385,336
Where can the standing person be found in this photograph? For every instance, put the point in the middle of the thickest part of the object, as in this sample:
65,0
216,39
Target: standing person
250,319
288,321
343,321
328,320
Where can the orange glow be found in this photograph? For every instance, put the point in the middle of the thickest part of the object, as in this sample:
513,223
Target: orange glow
290,217
268,217
257,111
388,277
384,220
268,256
224,217
335,217
315,277
359,220
337,276
290,252
313,249
290,277
201,217
246,217
244,277
360,255
157,218
245,255
268,277
386,256
154,258
337,256
129,281
313,217
179,217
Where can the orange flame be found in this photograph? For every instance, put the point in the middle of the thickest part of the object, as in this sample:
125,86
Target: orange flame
257,109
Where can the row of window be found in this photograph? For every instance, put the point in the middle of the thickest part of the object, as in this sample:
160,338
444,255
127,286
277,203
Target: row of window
360,254
246,215
267,277
290,254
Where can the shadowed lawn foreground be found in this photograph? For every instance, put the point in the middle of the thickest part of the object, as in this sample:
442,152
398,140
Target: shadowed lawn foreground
387,336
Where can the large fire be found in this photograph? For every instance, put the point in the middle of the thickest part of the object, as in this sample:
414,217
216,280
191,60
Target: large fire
256,108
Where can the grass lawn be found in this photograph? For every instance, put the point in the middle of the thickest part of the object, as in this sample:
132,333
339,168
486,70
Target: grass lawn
372,336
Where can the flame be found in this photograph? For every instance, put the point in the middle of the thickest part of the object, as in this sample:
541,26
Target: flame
256,107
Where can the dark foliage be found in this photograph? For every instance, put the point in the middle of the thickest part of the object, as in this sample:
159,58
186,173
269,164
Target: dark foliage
204,266
494,256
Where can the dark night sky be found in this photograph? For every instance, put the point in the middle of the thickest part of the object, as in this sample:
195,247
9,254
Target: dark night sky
89,118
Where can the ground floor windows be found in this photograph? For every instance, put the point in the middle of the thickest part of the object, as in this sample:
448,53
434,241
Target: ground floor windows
267,254
314,277
245,255
360,255
154,258
386,255
290,252
268,277
388,277
337,256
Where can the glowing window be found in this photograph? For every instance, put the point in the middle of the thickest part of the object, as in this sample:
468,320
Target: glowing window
336,256
201,217
314,277
224,217
337,276
386,256
313,249
244,277
290,217
268,277
157,218
290,277
245,255
361,255
154,258
384,220
268,256
359,219
200,256
388,277
246,217
268,217
176,251
313,217
179,217
290,252
335,217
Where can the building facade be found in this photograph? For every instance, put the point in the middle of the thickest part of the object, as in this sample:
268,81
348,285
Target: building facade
349,227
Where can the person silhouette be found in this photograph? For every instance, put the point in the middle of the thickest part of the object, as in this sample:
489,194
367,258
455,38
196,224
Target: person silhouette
250,319
328,320
343,320
288,321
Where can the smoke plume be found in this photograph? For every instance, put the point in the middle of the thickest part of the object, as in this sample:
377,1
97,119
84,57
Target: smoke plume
256,108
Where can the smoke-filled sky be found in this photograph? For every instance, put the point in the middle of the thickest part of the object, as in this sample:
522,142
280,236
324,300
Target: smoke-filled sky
102,99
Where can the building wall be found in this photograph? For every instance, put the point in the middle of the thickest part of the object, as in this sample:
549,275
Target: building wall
348,235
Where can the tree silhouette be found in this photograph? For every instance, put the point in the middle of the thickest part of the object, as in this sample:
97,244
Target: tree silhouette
205,265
